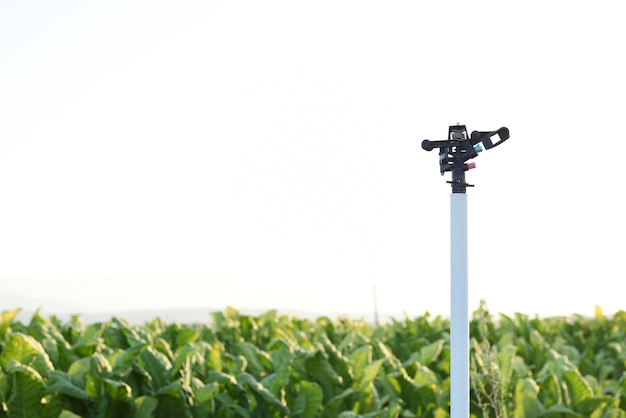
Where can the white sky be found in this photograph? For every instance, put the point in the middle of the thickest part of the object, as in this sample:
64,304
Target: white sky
267,154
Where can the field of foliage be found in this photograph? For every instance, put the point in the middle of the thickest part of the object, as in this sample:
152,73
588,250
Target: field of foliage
272,365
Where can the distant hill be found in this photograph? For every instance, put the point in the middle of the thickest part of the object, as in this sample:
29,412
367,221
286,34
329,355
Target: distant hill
180,315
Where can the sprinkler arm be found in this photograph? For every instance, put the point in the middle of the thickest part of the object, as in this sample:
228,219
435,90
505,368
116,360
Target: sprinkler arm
476,138
485,137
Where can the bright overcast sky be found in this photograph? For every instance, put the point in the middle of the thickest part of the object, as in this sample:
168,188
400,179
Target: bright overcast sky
267,154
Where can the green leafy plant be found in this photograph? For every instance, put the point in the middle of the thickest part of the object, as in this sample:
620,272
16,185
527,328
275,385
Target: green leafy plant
273,365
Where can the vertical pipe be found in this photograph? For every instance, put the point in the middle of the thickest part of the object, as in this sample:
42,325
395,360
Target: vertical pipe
459,320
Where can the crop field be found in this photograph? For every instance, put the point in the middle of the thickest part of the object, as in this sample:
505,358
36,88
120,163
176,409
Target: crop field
273,365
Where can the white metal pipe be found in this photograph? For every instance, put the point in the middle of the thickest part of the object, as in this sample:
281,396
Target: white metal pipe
459,312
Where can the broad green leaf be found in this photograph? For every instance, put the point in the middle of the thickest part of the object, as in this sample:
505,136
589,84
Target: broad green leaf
80,368
27,390
369,373
228,402
320,369
391,387
336,405
253,355
65,383
114,338
89,340
172,406
124,361
129,332
526,402
387,354
268,397
163,347
507,339
99,369
424,376
173,401
308,401
231,313
234,363
556,363
219,320
426,396
57,347
579,389
52,349
551,391
204,402
157,366
430,352
118,400
219,377
181,359
359,359
277,381
339,362
505,360
599,406
351,341
184,337
117,390
146,407
214,359
25,349
173,389
6,318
